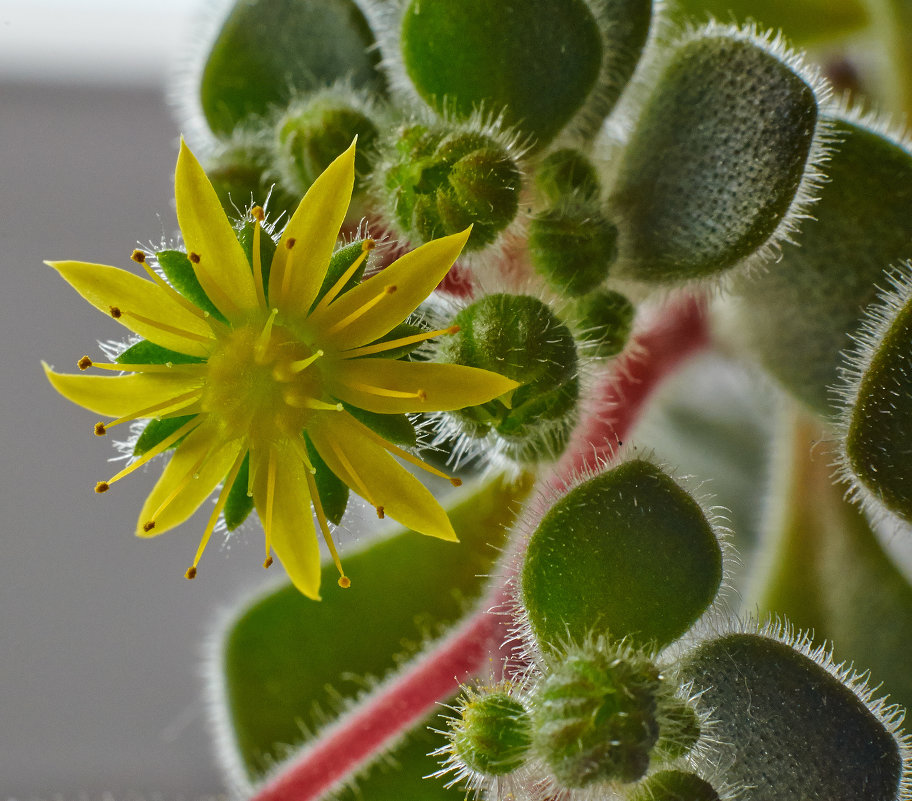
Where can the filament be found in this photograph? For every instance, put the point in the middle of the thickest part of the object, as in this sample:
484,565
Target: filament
366,246
379,347
360,311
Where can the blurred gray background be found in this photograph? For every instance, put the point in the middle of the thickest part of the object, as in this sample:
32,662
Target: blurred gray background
100,635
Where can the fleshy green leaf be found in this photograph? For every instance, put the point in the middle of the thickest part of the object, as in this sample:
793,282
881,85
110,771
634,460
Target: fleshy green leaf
284,655
628,553
269,50
799,313
715,161
786,728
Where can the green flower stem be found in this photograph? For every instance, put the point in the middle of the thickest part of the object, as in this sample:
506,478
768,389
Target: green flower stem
357,738
892,23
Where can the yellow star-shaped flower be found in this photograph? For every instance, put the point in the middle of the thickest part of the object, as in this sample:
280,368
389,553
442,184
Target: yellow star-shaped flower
274,365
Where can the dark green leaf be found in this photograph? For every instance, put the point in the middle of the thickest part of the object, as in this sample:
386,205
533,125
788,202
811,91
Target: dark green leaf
157,430
145,352
239,504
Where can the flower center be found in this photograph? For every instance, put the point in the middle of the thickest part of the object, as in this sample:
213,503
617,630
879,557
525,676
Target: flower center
264,383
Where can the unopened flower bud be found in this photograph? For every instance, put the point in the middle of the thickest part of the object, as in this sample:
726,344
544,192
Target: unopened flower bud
605,320
494,733
566,173
674,785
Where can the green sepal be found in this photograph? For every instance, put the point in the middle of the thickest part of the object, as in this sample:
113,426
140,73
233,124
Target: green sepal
339,262
179,271
764,691
798,315
397,428
604,321
628,553
269,50
674,785
145,352
566,173
239,504
267,249
157,430
285,656
333,491
715,160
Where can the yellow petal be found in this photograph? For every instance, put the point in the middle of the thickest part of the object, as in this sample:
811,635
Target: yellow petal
291,530
434,387
356,458
108,288
314,227
198,465
222,270
414,276
120,396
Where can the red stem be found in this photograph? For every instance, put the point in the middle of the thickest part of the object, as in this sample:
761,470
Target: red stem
404,702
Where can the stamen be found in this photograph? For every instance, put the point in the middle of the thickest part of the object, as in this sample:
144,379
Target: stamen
301,449
362,489
408,457
168,289
171,405
250,473
381,513
115,312
258,215
211,287
366,247
194,257
383,392
100,429
219,506
189,476
286,270
344,581
167,367
304,402
267,562
171,329
191,573
102,486
270,498
379,347
84,363
150,454
264,338
360,311
302,364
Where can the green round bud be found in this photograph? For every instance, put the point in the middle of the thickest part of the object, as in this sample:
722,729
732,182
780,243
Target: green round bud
442,181
493,735
679,729
605,321
594,716
566,173
629,553
787,727
572,247
311,134
520,337
674,785
240,173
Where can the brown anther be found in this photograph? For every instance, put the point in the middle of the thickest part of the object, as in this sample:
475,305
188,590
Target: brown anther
390,288
84,363
191,573
115,312
102,486
100,429
344,582
368,244
267,562
195,258
454,329
148,525
138,256
290,242
422,395
257,213
380,513
456,482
